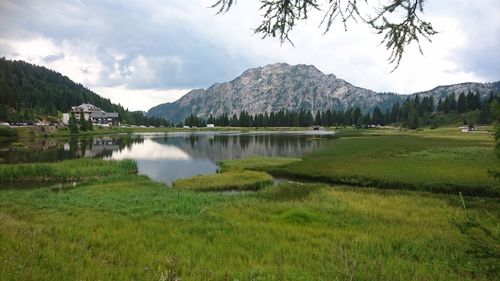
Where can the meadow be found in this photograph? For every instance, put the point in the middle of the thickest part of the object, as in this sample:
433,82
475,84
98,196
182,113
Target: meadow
228,180
441,161
118,225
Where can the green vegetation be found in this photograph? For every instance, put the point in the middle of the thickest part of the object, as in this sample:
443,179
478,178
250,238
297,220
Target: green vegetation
236,175
29,92
230,180
116,225
128,227
441,161
8,133
64,171
256,163
413,113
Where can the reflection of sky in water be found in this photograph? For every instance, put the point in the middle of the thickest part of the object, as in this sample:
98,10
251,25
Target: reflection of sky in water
150,150
168,157
164,162
168,171
173,156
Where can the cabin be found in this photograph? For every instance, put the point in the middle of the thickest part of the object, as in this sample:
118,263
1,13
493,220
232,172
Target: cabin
93,113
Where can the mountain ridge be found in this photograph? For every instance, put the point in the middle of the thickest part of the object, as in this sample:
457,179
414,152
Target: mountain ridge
279,86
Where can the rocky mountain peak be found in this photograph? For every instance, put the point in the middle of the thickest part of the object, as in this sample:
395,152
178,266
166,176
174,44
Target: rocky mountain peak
283,86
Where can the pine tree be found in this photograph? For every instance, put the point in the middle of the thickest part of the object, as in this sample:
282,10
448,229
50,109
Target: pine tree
462,103
83,123
412,119
317,119
377,117
452,102
485,113
73,127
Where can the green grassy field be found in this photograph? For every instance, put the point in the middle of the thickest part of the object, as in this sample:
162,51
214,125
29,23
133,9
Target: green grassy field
229,180
441,161
117,225
129,227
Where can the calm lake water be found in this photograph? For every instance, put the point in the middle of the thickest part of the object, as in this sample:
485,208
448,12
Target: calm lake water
167,157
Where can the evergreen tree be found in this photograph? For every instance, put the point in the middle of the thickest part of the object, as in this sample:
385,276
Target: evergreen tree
485,113
452,102
83,123
377,117
461,103
356,115
234,121
90,126
317,119
412,119
72,124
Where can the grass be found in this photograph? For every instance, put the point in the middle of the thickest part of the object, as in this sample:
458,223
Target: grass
129,227
446,162
116,225
256,163
230,180
64,171
236,175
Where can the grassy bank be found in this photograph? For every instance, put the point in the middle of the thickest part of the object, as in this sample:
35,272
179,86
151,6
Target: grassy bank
432,161
129,227
229,180
256,163
69,170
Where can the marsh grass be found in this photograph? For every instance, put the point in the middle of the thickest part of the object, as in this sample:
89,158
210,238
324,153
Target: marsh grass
64,171
256,163
229,180
131,228
420,162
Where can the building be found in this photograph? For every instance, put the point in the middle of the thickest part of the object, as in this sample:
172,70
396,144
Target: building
93,113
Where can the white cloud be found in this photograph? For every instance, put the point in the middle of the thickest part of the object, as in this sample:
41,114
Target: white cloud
139,99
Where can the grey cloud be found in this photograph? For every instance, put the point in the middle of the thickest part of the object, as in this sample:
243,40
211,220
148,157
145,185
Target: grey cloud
178,55
481,27
54,57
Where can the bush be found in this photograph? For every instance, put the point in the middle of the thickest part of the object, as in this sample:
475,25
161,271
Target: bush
8,133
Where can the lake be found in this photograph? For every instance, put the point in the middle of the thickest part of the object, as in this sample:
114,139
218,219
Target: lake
167,157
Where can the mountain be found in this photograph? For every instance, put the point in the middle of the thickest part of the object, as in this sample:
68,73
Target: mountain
29,92
441,92
292,87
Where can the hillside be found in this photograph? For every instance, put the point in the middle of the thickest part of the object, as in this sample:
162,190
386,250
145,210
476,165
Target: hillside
291,87
29,92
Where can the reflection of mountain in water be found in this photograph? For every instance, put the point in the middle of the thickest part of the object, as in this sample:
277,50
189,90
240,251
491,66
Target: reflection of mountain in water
220,147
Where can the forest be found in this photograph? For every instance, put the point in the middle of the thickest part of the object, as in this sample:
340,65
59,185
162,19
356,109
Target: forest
29,92
468,109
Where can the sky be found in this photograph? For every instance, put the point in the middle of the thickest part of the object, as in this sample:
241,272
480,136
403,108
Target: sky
141,53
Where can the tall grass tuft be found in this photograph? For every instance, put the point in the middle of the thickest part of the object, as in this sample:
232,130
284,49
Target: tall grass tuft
65,171
232,180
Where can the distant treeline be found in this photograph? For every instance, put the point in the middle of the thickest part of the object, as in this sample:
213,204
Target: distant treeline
29,92
412,113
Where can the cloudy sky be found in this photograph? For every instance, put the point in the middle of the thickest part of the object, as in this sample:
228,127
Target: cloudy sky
142,53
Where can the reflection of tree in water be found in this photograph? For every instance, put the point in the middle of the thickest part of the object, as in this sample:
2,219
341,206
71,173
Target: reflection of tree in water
50,150
244,141
193,140
219,147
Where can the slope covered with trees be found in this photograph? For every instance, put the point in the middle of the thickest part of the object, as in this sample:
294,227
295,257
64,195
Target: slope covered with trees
29,92
468,109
